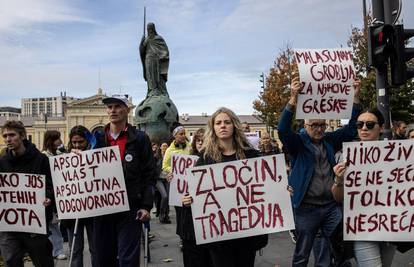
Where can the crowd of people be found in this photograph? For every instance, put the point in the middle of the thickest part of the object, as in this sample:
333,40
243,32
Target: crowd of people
315,178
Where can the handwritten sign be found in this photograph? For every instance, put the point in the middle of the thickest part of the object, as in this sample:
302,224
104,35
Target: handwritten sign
89,184
327,76
178,186
21,198
253,138
379,191
240,198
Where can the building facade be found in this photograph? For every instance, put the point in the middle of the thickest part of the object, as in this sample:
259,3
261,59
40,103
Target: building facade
52,106
10,113
91,113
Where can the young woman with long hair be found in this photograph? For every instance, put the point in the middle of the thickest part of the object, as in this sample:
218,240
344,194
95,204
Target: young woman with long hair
52,146
225,141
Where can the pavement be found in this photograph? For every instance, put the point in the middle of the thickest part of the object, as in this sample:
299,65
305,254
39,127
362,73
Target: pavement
164,247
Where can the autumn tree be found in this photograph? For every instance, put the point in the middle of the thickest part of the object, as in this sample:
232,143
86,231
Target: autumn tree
276,92
273,98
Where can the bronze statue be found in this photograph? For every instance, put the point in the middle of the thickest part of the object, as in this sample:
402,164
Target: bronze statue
157,112
155,60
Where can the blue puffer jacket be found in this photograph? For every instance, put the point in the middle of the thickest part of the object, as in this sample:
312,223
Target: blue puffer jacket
302,153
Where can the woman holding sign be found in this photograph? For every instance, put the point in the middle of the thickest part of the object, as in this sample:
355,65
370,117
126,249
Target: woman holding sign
225,141
52,146
367,253
193,255
179,145
79,140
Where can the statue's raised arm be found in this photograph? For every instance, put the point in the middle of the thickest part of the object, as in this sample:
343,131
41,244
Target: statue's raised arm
155,60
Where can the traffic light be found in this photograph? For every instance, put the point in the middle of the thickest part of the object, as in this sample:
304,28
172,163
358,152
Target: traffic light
380,47
400,72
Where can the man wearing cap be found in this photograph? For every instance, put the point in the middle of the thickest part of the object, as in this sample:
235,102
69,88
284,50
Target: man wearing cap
117,236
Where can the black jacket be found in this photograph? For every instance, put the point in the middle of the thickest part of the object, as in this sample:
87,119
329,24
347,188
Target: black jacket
31,161
254,242
138,172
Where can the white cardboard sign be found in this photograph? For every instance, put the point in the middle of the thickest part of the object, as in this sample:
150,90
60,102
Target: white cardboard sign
327,76
253,138
240,198
379,191
180,163
89,184
21,203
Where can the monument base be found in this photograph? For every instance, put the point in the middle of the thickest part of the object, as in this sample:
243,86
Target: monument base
155,115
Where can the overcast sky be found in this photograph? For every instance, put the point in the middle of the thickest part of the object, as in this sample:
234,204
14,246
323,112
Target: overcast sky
217,48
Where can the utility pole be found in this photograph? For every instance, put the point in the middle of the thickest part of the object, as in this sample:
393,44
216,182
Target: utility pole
262,80
382,15
364,13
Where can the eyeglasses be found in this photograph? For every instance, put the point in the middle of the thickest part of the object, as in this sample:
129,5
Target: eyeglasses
369,124
315,126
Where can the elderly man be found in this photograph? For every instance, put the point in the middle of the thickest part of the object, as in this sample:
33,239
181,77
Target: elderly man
117,236
312,152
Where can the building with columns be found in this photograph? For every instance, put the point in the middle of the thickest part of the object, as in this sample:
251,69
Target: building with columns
91,113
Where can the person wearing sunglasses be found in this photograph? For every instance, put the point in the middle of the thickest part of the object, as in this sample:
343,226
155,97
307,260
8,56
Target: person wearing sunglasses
367,253
312,154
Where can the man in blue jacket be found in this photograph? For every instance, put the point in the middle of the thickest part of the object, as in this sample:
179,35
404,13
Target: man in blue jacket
312,152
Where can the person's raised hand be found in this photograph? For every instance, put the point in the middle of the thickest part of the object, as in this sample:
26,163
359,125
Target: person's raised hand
295,87
357,90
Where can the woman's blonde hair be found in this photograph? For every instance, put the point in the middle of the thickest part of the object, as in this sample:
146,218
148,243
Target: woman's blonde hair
211,146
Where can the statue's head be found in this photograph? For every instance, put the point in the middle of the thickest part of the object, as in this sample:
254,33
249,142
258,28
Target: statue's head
151,29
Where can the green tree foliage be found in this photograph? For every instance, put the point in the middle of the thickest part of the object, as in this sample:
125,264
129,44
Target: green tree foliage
401,98
273,98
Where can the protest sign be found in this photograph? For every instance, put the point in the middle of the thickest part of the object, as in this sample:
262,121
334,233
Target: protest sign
178,185
379,191
253,138
89,184
327,76
21,203
240,198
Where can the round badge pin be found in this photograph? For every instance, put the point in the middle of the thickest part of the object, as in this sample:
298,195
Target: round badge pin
128,157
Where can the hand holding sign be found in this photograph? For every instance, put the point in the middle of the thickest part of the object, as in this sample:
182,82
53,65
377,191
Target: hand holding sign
357,90
47,202
169,177
339,170
187,200
143,215
294,91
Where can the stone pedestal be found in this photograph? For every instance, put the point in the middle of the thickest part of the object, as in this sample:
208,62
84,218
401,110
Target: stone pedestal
155,115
